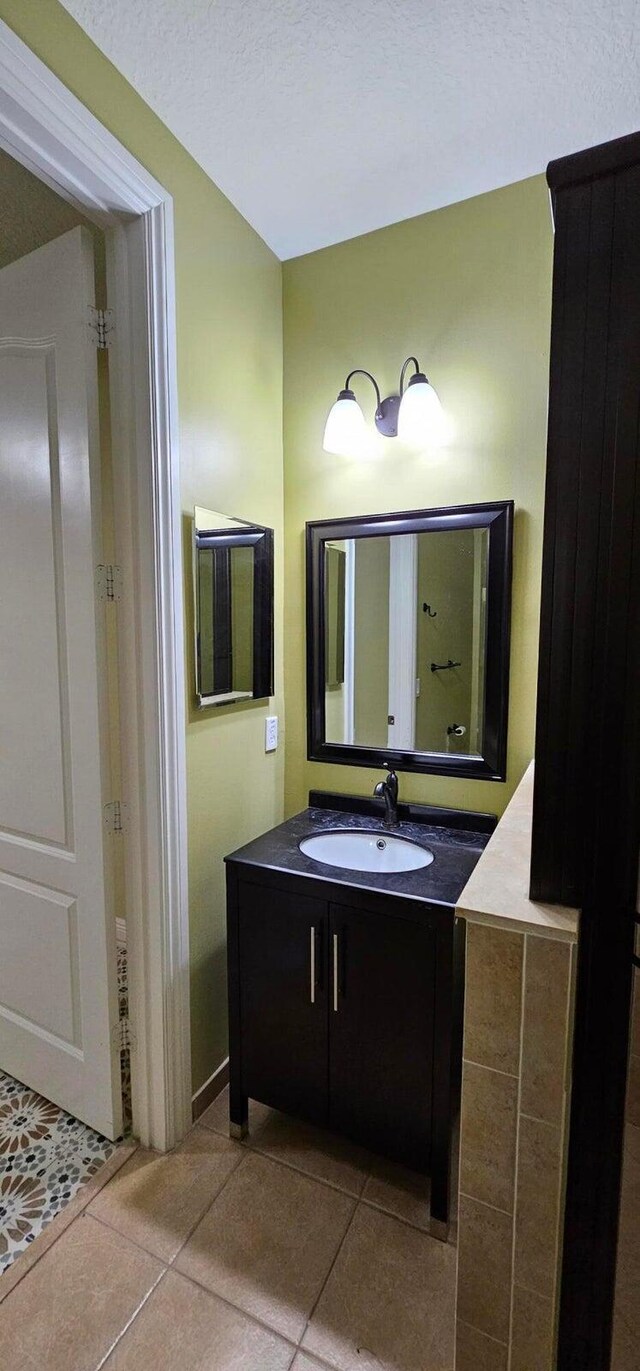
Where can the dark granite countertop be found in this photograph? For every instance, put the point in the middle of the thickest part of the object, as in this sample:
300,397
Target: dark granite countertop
455,851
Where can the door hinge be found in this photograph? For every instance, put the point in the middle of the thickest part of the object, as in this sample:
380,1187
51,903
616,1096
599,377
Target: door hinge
115,817
101,327
122,1035
109,582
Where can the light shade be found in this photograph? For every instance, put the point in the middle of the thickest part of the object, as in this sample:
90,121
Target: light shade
421,419
345,432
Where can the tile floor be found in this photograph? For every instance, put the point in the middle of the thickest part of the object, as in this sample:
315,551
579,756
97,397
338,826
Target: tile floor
292,1251
46,1155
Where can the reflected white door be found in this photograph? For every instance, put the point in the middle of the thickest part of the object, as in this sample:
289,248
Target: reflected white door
403,597
58,991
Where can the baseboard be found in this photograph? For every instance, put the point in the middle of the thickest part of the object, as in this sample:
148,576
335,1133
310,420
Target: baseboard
210,1090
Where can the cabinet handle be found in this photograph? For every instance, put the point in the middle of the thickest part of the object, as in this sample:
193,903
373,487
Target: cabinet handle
313,965
335,973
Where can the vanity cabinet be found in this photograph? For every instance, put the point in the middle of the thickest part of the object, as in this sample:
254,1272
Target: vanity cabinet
284,1023
381,1009
343,1011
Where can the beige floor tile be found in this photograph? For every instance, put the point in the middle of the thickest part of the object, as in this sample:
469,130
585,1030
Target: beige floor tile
216,1116
68,1311
476,1352
41,1244
389,1301
156,1200
403,1193
304,1362
313,1150
268,1242
182,1325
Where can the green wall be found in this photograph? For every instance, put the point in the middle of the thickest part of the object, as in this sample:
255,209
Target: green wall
229,321
467,289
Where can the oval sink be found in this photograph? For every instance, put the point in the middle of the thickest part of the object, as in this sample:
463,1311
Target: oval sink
364,851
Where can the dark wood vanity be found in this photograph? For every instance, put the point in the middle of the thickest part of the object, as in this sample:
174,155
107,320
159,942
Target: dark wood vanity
345,999
346,986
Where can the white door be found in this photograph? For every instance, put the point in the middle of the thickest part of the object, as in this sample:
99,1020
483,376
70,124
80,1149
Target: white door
403,583
58,991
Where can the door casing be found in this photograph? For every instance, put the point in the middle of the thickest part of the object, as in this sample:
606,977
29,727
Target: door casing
44,126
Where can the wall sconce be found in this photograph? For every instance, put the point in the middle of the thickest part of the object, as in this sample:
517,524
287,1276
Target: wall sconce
414,415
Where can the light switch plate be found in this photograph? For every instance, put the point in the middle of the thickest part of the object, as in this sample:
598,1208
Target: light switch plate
271,733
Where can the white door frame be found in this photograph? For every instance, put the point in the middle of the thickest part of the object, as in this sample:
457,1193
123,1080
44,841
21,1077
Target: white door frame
49,131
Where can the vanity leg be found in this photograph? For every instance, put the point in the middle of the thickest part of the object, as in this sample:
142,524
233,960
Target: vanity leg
439,1230
238,1110
439,1221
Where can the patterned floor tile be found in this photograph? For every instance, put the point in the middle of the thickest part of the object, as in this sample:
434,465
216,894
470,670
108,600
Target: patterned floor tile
46,1154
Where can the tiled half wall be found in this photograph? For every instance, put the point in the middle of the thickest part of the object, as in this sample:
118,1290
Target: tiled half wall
517,1028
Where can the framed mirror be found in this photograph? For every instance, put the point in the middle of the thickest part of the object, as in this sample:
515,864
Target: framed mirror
408,626
233,583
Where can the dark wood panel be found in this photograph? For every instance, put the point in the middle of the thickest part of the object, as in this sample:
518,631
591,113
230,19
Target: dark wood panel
284,1017
587,797
381,1034
602,160
611,852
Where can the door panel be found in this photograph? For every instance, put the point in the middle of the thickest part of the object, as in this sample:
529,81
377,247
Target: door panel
39,940
284,1013
381,1032
58,992
34,708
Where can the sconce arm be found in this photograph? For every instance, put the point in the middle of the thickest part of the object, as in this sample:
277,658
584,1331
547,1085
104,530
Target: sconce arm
359,371
404,368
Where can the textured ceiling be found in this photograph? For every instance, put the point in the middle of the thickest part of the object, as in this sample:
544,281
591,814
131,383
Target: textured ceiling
324,120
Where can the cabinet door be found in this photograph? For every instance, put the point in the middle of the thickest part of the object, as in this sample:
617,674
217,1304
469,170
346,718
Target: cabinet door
283,941
382,991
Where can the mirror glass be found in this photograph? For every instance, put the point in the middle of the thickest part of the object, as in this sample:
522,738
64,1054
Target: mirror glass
233,579
408,631
405,640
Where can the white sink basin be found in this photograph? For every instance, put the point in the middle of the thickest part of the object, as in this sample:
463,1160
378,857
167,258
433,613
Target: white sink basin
364,851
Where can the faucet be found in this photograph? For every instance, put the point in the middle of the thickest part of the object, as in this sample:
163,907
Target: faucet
388,789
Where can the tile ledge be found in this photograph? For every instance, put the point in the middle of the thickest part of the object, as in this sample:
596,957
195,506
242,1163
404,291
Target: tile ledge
496,892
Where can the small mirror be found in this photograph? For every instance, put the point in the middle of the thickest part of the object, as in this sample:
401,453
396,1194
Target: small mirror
233,581
409,635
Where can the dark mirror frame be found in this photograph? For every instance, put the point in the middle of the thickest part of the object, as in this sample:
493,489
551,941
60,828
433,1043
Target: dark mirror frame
497,517
261,540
